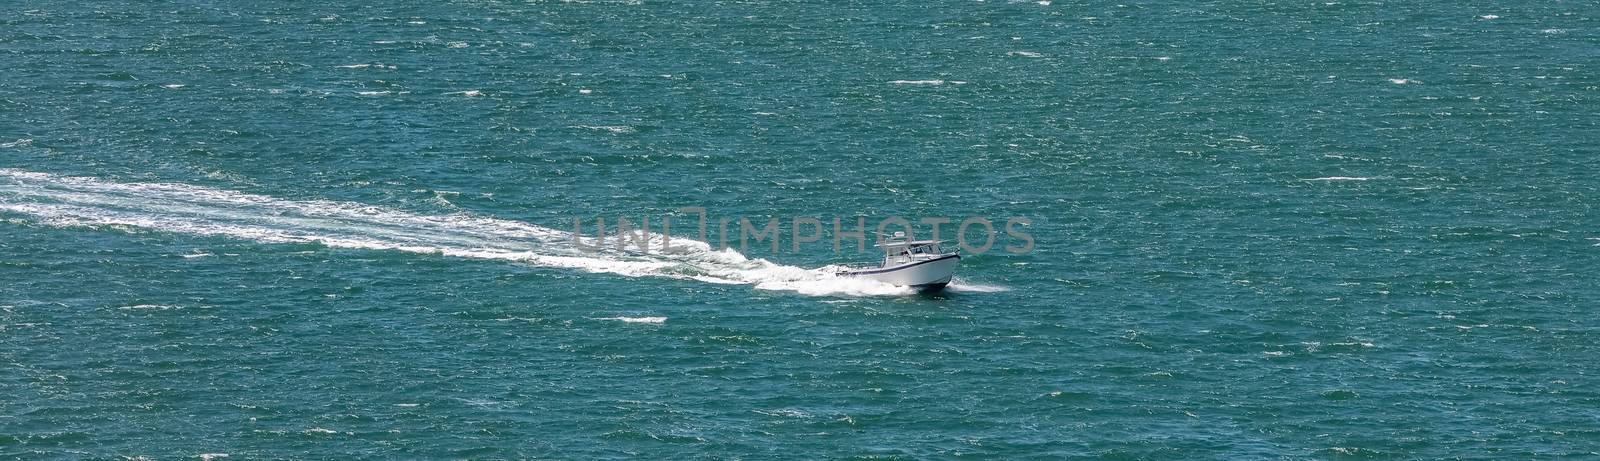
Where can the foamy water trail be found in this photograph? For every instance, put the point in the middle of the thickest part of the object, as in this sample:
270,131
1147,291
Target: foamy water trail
959,286
66,201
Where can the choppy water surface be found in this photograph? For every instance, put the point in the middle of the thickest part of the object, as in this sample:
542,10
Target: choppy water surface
1264,230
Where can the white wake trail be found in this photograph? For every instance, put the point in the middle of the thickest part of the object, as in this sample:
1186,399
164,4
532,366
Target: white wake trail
67,201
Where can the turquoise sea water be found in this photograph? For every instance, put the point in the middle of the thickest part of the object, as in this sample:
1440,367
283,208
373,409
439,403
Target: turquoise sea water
1286,230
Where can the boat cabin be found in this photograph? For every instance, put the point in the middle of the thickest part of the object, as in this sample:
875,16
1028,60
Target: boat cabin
901,252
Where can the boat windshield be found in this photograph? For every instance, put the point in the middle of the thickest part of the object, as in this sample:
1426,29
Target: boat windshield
910,253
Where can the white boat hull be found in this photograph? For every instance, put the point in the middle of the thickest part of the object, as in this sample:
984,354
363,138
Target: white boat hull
924,275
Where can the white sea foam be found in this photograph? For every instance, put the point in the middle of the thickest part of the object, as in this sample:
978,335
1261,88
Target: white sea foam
1025,54
154,307
18,143
786,413
1402,81
211,456
917,82
66,201
1339,178
619,129
652,320
959,285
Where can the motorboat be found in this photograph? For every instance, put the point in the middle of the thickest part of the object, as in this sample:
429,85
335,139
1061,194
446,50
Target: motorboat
918,264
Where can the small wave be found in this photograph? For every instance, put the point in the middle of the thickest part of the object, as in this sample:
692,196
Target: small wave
619,129
916,82
1348,345
211,456
374,93
173,86
1025,54
439,198
1352,452
157,307
1339,178
18,143
1489,17
784,413
468,93
1402,81
650,320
